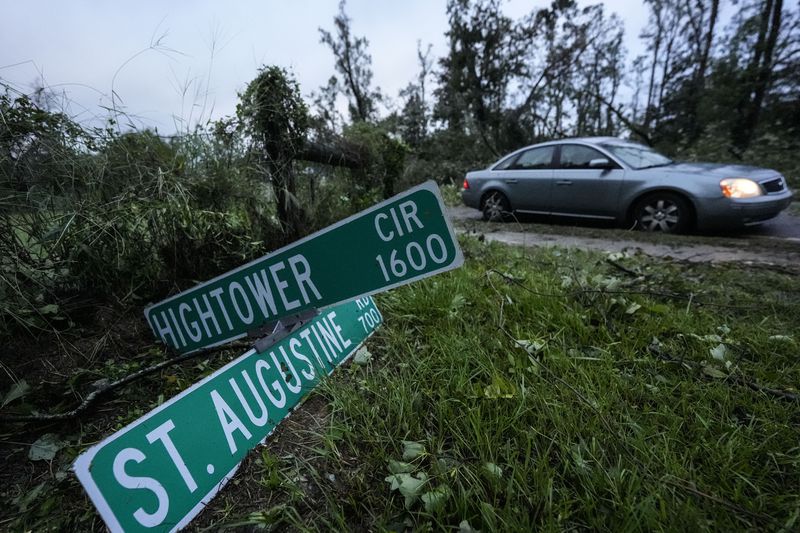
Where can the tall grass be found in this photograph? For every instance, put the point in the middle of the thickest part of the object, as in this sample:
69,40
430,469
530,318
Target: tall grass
92,215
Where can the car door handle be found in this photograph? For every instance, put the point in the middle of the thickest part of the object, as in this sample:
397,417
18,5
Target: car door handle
511,181
564,182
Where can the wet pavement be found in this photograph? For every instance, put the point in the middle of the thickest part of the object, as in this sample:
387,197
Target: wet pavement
784,226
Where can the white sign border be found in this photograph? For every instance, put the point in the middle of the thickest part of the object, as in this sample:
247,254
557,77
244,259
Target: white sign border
429,185
84,461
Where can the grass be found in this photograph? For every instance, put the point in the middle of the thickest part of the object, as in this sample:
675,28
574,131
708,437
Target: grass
549,390
451,194
533,389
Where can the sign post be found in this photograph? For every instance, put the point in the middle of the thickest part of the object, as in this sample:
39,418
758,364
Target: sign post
160,471
395,242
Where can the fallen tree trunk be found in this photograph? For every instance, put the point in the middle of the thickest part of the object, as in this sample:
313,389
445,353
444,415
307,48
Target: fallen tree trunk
338,153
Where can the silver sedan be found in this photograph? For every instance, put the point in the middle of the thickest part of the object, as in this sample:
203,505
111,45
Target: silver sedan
613,179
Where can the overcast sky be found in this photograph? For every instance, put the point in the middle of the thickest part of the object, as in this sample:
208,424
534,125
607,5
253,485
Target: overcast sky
207,51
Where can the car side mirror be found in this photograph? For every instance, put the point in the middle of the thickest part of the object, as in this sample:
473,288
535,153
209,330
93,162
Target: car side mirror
600,162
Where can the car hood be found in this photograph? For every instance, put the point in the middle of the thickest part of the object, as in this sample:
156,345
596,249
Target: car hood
718,171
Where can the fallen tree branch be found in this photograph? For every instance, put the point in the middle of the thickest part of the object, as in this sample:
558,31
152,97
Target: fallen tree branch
730,378
640,292
338,153
93,396
669,295
778,393
623,268
684,485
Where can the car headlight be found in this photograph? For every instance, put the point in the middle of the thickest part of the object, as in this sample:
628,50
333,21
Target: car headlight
740,188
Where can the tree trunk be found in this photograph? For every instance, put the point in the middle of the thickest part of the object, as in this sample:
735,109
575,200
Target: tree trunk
696,128
290,214
759,72
648,110
338,153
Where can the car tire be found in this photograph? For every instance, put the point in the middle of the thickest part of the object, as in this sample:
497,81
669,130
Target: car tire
496,207
663,212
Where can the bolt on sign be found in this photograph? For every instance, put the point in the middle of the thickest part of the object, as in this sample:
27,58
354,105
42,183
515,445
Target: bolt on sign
395,242
159,472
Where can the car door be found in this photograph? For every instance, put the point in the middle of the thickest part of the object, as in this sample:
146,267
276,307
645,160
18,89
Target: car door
582,186
529,179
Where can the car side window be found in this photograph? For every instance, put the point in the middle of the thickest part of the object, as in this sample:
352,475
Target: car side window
535,158
575,156
505,163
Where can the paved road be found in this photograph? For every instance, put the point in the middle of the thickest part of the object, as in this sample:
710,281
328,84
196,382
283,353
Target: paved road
783,226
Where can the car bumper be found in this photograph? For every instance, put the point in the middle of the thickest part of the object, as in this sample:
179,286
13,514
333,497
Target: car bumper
730,213
470,198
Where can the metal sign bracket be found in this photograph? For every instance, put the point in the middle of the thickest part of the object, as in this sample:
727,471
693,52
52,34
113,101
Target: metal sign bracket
277,330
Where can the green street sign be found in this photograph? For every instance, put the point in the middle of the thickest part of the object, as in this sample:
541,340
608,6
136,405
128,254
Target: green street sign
395,242
159,472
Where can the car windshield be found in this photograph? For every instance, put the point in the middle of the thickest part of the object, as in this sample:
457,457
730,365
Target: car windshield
637,156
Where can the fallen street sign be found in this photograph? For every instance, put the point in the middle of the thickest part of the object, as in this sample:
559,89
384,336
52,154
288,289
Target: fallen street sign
395,242
159,472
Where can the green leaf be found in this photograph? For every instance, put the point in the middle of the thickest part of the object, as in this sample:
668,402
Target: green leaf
362,356
399,467
530,346
45,448
408,485
464,527
49,309
494,470
17,390
714,372
412,450
394,480
434,499
720,352
499,388
458,302
633,308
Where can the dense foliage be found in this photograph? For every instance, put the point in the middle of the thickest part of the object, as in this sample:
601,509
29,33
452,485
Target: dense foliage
93,213
131,214
98,216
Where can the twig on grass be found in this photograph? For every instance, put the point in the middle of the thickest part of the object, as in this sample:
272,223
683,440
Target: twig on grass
732,378
681,484
783,394
670,295
92,397
623,268
512,279
640,292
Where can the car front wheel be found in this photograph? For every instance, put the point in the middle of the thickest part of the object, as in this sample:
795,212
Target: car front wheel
663,212
496,207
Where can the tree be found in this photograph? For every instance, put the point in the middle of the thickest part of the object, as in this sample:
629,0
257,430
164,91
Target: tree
354,64
680,38
275,119
413,120
757,75
475,80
